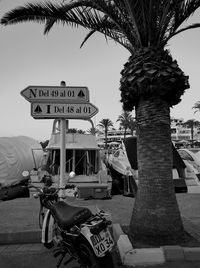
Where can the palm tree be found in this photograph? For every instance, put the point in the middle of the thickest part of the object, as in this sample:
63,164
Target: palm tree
151,82
75,130
105,124
132,125
92,131
124,120
197,106
191,123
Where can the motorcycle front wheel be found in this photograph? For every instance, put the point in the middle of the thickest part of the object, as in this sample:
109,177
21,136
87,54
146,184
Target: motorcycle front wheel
88,259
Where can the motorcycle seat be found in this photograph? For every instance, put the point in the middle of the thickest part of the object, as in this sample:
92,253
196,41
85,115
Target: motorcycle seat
67,215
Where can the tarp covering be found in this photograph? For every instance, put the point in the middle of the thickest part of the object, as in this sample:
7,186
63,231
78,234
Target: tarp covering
16,155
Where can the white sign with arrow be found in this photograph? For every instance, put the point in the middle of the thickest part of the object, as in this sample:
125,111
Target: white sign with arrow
55,94
63,110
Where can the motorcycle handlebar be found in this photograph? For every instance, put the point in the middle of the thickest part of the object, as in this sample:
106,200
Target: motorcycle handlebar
51,191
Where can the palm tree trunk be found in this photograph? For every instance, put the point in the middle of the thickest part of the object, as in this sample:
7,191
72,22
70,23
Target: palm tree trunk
155,213
192,134
125,132
106,138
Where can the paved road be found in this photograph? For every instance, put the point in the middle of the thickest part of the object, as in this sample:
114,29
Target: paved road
36,256
21,215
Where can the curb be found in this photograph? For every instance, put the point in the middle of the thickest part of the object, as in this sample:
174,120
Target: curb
150,256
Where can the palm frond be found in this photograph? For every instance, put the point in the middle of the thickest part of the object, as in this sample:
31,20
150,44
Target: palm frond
87,37
134,24
31,12
192,26
183,10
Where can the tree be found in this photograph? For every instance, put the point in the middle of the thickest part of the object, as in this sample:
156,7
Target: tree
75,130
191,123
197,106
132,125
124,119
44,144
151,82
105,124
93,131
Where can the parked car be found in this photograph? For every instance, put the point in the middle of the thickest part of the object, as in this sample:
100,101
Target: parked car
196,151
123,163
192,175
191,157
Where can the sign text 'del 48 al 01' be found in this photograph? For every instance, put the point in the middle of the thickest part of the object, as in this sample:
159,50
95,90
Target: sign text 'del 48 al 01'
55,94
63,110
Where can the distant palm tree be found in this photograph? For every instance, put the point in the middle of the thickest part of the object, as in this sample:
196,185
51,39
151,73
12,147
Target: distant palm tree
80,131
105,124
191,123
132,125
93,131
124,119
151,82
197,106
75,130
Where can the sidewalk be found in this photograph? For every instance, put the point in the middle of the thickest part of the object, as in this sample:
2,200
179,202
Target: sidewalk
19,225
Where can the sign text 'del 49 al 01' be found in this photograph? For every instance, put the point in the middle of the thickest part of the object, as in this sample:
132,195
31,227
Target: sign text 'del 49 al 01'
55,94
63,110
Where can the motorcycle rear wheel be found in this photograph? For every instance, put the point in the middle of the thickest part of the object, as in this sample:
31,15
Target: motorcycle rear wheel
88,259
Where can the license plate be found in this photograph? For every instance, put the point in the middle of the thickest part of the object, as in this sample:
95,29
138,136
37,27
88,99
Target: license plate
102,242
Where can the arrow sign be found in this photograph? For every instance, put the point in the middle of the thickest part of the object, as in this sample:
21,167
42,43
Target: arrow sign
55,94
63,110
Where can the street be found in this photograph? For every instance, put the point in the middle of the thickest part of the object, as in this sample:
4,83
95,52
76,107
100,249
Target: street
36,256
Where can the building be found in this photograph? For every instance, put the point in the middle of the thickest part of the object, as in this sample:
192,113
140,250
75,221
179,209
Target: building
113,136
181,132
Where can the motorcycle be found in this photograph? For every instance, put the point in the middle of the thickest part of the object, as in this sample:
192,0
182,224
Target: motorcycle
72,231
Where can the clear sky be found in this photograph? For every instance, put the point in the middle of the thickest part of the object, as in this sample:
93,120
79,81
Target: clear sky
28,57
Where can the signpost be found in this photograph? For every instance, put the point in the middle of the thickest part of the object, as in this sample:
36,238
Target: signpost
60,110
55,94
49,102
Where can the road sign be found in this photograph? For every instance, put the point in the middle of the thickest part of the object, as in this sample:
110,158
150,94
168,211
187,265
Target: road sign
55,94
63,110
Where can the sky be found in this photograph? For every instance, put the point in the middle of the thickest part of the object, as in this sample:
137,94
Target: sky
28,57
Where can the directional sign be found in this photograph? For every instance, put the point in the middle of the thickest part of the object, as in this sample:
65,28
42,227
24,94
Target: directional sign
63,110
55,94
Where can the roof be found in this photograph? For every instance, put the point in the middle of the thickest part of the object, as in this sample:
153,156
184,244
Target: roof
74,141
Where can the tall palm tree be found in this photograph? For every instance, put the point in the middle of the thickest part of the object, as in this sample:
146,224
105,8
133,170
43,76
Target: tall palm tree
151,82
124,120
105,124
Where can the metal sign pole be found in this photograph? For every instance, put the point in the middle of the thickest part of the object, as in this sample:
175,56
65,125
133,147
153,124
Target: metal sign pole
62,149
